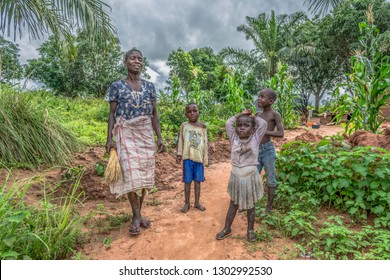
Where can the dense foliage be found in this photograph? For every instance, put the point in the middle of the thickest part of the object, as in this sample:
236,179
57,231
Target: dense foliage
10,67
352,180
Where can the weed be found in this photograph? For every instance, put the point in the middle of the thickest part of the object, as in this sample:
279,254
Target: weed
107,242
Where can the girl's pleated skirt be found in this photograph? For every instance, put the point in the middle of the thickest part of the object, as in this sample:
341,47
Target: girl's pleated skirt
245,187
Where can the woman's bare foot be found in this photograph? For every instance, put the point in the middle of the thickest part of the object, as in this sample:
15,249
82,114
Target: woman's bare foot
145,223
185,208
200,207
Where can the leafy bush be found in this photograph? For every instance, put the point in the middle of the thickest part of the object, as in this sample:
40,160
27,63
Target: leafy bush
352,180
335,241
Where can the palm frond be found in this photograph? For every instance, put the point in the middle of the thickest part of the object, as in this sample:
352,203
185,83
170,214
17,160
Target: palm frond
321,6
56,17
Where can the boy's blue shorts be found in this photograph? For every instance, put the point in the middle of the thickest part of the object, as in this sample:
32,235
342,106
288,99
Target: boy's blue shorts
192,171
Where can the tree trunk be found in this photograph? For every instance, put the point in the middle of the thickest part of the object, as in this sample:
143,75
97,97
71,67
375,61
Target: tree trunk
317,102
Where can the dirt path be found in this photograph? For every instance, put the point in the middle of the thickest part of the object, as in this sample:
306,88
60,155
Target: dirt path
177,236
190,236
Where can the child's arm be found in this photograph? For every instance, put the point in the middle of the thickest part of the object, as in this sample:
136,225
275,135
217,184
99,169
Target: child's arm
206,159
180,145
230,126
279,127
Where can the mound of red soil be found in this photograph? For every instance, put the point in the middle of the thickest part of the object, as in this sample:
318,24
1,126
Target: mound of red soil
308,137
219,151
167,170
365,138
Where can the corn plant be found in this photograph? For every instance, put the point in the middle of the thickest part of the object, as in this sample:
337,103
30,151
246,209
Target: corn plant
368,83
286,101
236,100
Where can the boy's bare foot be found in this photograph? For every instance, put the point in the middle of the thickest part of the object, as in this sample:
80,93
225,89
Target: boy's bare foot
200,207
185,208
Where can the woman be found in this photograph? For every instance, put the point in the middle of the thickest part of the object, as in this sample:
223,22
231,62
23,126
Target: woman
132,119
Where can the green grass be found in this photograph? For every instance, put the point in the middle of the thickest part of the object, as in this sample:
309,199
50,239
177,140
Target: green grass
47,230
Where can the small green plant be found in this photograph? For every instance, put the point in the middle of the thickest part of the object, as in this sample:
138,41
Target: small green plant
336,242
236,99
107,242
100,168
264,234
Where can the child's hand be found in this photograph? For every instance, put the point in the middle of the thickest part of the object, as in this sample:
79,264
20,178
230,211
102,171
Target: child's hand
178,159
247,112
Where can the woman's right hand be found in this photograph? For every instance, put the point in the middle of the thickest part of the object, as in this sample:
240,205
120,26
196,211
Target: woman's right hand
110,144
178,159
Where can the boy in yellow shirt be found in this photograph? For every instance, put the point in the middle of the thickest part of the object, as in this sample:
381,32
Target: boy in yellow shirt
192,150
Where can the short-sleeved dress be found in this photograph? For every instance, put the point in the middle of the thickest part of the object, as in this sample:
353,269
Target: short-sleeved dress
133,134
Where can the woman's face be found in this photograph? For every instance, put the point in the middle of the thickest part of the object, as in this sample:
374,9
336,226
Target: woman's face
134,62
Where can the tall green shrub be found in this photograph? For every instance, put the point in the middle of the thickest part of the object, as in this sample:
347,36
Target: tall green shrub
28,137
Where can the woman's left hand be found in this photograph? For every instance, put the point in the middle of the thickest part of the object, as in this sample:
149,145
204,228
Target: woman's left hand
161,146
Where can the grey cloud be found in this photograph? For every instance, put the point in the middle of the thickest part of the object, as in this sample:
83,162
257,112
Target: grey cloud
158,27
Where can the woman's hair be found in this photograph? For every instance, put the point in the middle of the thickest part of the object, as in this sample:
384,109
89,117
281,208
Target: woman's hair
131,51
248,116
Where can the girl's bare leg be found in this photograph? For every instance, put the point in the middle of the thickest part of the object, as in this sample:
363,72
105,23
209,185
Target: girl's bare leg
250,214
231,214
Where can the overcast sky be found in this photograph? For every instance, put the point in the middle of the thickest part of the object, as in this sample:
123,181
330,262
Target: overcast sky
157,27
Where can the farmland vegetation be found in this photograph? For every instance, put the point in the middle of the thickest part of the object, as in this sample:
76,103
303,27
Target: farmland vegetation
346,50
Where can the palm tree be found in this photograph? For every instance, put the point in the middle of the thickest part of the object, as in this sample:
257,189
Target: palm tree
321,6
269,34
56,17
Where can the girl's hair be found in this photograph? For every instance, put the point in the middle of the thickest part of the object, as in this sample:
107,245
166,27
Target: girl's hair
248,116
131,51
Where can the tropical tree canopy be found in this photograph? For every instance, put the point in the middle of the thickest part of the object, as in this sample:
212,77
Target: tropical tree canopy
10,67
